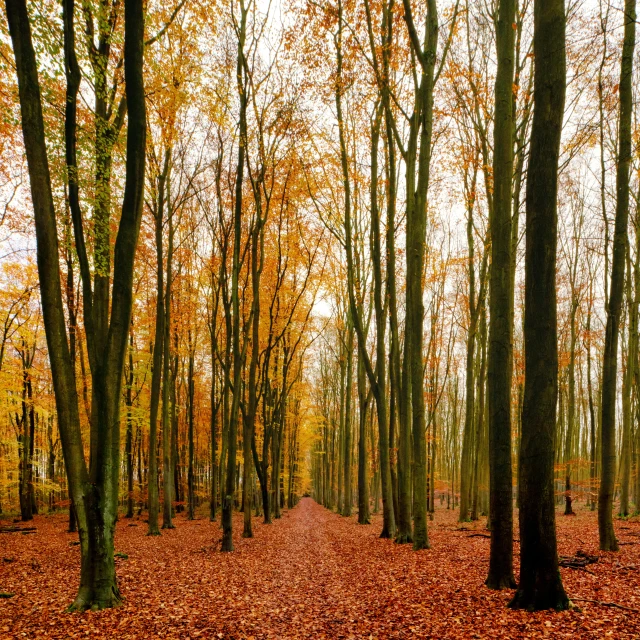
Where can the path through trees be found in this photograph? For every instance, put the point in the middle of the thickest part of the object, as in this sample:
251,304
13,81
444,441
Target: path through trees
311,574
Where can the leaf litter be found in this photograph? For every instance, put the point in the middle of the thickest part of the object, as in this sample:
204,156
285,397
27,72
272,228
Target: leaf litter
311,574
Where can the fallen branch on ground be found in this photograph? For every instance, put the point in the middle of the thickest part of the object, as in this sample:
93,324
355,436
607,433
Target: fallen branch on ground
606,604
579,561
12,529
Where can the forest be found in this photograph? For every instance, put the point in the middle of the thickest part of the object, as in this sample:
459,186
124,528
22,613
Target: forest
319,319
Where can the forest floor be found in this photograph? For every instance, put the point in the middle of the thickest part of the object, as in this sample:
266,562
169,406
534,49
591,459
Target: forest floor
312,574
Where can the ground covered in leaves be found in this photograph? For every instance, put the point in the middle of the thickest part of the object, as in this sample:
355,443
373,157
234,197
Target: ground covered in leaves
312,574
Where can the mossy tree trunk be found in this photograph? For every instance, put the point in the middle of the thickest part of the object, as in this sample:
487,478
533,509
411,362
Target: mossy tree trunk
94,490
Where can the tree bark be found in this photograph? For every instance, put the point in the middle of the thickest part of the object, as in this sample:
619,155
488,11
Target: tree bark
421,129
500,328
363,480
608,540
158,353
94,492
230,485
348,431
167,401
190,431
540,585
129,437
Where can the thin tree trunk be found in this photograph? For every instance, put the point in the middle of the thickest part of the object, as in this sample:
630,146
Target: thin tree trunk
363,480
607,534
629,376
190,427
348,354
158,352
500,328
230,487
129,436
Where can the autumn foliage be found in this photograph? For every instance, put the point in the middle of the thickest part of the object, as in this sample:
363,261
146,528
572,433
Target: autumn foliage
286,261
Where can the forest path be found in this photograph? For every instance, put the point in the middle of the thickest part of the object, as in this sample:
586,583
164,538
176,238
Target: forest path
311,574
305,578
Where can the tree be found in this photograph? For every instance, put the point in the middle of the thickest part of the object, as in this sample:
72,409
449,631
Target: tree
608,540
418,166
158,349
540,585
227,503
500,329
94,489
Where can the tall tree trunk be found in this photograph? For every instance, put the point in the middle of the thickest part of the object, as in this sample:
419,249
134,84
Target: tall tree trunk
377,378
158,352
168,403
26,513
363,480
480,439
249,423
394,347
129,436
173,417
467,432
540,585
418,173
592,411
341,434
571,408
213,430
230,485
631,375
500,328
346,461
94,493
191,498
608,540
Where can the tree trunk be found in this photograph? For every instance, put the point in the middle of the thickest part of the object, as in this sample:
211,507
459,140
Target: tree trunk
363,480
249,423
629,376
167,401
540,584
94,493
213,426
608,540
571,409
467,433
24,443
480,437
158,352
346,461
190,427
230,485
129,436
500,328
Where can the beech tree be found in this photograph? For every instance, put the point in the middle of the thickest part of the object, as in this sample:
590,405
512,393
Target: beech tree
608,540
500,329
540,585
328,291
94,488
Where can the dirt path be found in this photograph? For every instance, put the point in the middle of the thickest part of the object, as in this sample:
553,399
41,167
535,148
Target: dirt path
312,574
